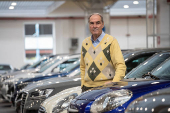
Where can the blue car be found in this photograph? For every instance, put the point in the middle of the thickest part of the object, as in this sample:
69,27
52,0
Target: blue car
115,97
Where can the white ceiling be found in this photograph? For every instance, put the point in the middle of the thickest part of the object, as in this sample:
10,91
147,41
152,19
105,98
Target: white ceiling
44,8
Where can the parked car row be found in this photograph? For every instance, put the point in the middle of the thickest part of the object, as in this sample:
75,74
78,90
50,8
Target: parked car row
54,86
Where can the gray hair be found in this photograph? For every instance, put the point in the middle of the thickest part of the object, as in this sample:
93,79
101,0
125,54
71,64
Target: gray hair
96,14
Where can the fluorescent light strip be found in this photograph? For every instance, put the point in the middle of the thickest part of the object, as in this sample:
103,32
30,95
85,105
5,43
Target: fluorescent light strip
11,7
135,2
126,6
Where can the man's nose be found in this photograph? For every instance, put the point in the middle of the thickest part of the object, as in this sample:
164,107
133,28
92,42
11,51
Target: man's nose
95,25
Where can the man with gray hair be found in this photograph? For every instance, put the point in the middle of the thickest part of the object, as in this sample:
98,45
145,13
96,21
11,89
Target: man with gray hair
102,61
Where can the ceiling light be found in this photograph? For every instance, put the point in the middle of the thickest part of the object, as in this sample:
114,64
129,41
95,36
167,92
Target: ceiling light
126,6
135,2
14,4
11,7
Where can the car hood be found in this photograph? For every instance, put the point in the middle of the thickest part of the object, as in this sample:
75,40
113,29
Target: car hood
18,72
22,76
134,86
49,83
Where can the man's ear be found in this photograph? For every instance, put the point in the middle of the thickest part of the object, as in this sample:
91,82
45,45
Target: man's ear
103,24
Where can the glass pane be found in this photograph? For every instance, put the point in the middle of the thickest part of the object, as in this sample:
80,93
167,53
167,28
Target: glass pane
29,29
45,29
163,71
148,65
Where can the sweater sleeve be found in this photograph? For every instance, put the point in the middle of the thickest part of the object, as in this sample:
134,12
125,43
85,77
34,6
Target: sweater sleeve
82,69
118,61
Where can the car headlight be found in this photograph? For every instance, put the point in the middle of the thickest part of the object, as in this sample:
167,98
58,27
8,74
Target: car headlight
110,101
40,93
64,103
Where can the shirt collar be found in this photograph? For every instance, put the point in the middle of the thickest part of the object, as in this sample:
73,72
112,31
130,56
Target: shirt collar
99,38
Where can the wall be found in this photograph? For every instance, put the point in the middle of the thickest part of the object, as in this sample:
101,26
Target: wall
136,28
12,36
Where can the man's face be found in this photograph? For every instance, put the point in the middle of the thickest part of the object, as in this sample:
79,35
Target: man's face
95,25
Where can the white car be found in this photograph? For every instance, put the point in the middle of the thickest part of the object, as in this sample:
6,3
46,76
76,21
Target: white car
54,66
60,102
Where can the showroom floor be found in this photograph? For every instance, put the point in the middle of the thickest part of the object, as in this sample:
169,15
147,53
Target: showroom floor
5,107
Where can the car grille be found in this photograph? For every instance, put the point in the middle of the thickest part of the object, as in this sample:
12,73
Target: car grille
24,98
42,110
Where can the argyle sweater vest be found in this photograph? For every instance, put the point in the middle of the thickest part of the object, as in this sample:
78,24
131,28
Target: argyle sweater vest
96,64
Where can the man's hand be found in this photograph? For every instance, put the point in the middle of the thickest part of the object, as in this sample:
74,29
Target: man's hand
108,82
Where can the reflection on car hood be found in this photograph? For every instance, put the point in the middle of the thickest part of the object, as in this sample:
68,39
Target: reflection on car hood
49,82
133,86
21,76
19,72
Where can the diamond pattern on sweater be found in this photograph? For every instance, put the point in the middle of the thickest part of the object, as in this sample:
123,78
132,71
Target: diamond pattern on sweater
84,51
106,52
95,52
93,71
109,71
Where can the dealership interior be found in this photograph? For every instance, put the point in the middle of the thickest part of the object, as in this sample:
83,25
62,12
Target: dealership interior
41,56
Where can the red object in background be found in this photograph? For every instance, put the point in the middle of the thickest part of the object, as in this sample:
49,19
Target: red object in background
150,16
158,40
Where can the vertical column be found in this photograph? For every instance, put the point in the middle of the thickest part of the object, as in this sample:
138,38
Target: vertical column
163,23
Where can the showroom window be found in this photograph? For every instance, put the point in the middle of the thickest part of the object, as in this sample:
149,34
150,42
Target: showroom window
38,41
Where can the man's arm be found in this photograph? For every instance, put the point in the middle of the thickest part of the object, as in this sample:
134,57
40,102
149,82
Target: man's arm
82,69
118,61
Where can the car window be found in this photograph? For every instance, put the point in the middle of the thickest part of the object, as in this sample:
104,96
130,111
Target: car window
49,64
148,65
5,67
64,65
136,61
76,72
163,70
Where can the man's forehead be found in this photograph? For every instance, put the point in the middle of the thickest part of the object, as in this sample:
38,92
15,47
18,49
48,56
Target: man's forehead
95,18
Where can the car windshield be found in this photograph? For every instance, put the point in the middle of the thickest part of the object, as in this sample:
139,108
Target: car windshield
41,62
148,65
71,67
163,70
5,67
49,64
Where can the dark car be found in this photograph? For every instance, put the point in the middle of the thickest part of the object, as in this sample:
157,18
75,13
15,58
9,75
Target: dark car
157,101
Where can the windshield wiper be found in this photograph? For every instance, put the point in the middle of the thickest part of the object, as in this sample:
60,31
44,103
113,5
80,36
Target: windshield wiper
152,76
